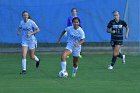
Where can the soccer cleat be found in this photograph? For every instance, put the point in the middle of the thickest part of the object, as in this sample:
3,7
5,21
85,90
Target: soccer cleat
110,67
123,60
73,74
23,72
37,63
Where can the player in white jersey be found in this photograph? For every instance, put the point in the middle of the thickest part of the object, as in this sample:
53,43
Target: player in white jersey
76,38
28,29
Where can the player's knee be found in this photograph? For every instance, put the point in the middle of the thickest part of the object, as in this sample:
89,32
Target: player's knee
116,53
75,59
32,57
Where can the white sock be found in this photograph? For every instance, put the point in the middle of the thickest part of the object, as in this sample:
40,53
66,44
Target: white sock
63,65
36,58
24,64
74,70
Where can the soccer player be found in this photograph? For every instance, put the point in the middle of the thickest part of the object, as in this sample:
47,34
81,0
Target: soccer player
115,27
74,13
28,29
76,38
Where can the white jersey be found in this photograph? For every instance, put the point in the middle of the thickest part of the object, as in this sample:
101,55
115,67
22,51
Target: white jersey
74,35
27,28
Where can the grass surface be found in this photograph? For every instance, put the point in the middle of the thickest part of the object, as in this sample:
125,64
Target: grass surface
92,76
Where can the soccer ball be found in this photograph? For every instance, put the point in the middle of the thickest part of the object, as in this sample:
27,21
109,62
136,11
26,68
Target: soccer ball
63,74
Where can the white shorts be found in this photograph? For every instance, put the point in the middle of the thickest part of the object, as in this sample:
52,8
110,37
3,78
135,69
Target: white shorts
30,44
75,50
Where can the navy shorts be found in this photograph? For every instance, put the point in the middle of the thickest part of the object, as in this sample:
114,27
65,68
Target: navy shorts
114,43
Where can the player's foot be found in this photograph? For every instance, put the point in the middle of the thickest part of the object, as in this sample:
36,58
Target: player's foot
80,56
73,74
110,67
23,72
123,60
37,63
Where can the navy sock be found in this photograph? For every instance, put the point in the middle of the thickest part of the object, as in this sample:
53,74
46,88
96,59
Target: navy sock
120,55
114,58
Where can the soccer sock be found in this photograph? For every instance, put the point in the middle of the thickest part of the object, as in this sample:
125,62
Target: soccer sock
24,64
36,58
74,69
75,66
114,58
120,55
63,65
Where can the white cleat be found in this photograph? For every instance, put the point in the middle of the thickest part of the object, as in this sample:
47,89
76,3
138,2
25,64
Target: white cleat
110,67
123,60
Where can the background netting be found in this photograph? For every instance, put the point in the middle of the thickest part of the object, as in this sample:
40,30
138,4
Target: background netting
51,17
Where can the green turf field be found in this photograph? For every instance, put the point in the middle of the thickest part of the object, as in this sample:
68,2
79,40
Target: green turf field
92,77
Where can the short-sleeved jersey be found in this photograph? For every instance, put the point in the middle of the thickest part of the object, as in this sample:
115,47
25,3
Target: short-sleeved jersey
74,35
118,27
27,28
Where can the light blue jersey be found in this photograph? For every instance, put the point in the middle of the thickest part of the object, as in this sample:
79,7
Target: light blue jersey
27,28
74,35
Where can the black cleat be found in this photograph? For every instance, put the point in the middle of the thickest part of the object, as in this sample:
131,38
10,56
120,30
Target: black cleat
37,63
23,72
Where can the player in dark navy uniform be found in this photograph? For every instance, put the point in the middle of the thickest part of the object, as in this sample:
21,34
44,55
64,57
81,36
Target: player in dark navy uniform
115,27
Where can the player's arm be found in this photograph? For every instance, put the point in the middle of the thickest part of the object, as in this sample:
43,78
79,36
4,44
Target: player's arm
68,22
127,29
34,32
19,31
127,32
108,30
80,43
35,27
59,39
109,26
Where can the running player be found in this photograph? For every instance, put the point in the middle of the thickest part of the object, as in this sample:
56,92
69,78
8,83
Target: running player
116,25
74,13
28,29
76,38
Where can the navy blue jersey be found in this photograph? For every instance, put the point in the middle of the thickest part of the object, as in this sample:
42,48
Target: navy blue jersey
118,27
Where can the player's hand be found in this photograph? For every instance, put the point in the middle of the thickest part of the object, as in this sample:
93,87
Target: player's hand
77,44
28,35
113,31
126,36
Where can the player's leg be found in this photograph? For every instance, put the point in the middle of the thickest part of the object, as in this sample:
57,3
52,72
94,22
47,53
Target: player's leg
120,54
75,66
115,54
63,59
24,53
113,47
76,54
32,47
